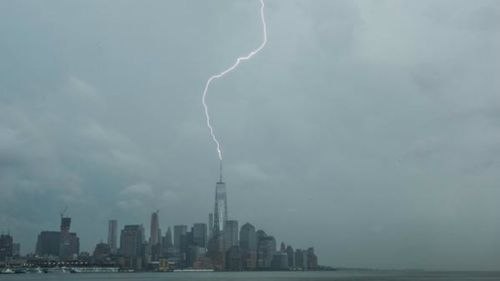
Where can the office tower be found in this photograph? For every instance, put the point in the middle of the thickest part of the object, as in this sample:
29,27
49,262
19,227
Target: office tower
248,238
16,249
113,235
179,231
210,225
186,241
220,210
154,247
305,260
167,247
155,228
47,244
69,243
280,261
266,248
230,234
300,259
6,247
131,241
132,246
248,246
167,240
282,247
312,259
291,256
199,232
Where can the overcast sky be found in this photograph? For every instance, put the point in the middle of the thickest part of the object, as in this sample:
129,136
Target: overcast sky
367,129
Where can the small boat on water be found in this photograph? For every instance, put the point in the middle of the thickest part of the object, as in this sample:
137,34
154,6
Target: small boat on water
7,271
37,270
59,270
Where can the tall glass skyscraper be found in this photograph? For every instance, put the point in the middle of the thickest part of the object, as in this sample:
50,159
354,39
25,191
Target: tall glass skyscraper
220,212
155,234
113,235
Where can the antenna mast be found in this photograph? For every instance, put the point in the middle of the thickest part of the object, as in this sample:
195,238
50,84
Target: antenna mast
220,170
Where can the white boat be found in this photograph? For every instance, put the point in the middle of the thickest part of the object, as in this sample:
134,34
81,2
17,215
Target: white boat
59,270
8,271
37,270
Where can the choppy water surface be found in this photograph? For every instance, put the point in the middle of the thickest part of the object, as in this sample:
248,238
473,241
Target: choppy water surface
268,276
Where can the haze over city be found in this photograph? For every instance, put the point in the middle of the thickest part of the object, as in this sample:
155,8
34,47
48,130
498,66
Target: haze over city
367,129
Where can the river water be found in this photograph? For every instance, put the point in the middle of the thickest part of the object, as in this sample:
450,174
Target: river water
268,276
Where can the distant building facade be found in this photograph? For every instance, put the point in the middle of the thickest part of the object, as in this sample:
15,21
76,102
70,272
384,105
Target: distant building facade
291,257
248,247
154,246
113,236
167,247
62,244
266,248
199,232
233,259
179,231
6,247
132,246
48,243
155,229
69,243
231,233
210,225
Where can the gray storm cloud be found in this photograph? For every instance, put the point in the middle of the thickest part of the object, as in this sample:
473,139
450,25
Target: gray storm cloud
368,129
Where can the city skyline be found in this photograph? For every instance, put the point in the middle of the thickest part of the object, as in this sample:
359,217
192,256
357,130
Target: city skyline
226,248
366,128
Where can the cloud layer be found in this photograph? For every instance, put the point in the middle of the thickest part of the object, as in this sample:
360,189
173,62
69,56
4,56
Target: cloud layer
368,129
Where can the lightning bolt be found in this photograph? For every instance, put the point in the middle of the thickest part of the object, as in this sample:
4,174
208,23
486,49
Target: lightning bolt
229,69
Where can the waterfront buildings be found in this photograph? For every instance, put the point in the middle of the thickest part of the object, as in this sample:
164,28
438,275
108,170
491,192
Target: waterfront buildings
6,247
219,245
63,244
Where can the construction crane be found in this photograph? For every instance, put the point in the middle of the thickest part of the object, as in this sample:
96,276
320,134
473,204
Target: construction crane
63,211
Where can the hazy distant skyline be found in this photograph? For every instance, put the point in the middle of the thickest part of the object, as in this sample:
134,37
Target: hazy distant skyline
367,129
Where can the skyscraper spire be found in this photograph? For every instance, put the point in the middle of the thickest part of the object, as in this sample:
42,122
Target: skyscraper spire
220,170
